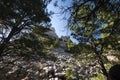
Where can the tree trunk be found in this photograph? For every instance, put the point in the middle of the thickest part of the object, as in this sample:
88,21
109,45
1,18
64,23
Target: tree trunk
104,71
5,42
100,60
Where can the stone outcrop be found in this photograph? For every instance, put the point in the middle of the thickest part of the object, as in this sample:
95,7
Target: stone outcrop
52,33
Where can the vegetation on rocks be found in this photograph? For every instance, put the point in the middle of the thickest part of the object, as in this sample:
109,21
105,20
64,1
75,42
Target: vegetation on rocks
31,50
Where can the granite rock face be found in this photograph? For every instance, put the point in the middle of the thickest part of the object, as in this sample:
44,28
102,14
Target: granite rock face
52,33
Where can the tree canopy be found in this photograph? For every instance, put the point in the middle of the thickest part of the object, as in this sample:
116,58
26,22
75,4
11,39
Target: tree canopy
96,19
19,15
96,23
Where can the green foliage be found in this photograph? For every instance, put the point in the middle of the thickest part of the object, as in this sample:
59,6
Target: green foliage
20,9
33,44
91,23
70,73
85,58
70,44
99,77
95,24
20,16
56,42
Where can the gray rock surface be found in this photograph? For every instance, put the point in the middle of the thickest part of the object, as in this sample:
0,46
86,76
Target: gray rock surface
52,33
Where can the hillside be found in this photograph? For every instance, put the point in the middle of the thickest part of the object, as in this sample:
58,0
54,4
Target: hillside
23,62
44,56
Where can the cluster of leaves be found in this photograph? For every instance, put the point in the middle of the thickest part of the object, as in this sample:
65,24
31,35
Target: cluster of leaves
70,73
18,16
34,44
97,24
99,77
70,46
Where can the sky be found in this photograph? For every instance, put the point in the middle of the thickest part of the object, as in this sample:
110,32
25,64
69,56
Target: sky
57,20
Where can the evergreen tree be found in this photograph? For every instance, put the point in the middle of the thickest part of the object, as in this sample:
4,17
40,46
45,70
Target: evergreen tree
18,15
96,23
